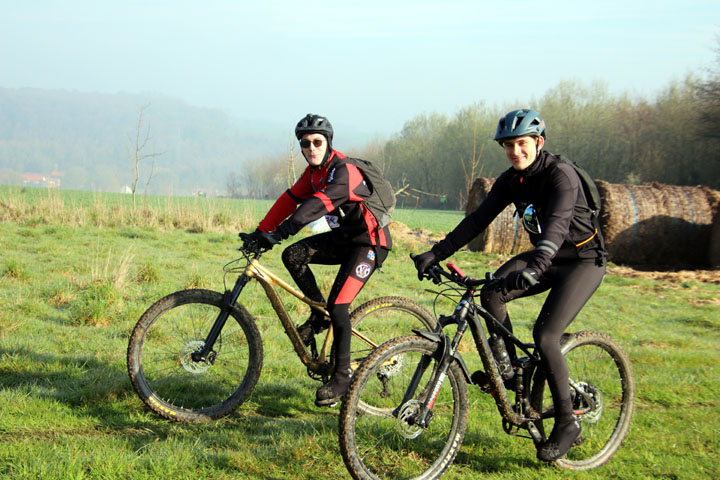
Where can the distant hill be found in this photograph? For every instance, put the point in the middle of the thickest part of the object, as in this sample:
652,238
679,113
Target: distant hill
84,141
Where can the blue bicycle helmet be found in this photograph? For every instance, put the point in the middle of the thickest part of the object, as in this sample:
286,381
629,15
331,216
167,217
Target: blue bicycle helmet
519,123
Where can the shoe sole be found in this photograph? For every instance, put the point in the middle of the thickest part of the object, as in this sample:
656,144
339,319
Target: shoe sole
327,403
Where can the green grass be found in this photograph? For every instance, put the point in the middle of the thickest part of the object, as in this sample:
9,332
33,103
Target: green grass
70,294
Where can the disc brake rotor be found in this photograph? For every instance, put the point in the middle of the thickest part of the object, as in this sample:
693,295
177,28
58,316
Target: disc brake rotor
186,360
407,412
590,413
392,366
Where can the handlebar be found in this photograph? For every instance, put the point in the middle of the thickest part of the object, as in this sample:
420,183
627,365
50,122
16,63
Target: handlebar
455,275
250,246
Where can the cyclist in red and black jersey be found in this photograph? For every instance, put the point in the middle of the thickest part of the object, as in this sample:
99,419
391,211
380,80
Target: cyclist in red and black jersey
337,190
568,259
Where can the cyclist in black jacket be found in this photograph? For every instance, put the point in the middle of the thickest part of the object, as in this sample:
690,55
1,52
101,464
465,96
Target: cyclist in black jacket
333,188
568,259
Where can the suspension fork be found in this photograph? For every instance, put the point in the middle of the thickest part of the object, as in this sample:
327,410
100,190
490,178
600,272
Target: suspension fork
447,356
229,299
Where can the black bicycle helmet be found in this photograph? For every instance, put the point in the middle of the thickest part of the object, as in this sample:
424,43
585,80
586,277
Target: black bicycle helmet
519,123
314,124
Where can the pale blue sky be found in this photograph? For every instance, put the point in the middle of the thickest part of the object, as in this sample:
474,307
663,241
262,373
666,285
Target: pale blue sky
367,65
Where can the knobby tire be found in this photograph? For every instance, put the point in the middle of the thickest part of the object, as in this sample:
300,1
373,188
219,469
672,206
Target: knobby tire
378,445
600,369
169,381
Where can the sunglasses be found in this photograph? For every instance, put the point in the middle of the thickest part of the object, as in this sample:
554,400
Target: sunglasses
305,143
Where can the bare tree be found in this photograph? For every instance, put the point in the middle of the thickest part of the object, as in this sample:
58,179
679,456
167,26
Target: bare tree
291,174
234,185
472,170
709,94
137,147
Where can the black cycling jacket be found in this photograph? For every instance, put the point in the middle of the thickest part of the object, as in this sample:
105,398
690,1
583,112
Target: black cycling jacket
554,189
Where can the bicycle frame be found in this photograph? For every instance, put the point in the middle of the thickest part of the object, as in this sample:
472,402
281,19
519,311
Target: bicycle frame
467,314
270,282
501,397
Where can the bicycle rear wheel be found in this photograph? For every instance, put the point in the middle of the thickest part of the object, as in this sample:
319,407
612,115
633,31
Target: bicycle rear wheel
603,391
382,319
169,381
387,444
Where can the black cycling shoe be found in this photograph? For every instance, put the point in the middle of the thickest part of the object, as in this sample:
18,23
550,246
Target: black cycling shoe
562,438
315,324
333,391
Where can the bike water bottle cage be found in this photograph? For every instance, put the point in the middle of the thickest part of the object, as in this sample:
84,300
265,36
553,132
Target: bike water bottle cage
530,220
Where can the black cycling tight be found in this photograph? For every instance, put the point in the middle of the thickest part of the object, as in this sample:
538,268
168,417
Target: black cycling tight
570,285
357,263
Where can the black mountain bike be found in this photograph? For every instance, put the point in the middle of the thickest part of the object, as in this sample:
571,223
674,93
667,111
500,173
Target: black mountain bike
197,354
418,385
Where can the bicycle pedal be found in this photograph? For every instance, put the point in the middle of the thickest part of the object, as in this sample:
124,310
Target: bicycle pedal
579,440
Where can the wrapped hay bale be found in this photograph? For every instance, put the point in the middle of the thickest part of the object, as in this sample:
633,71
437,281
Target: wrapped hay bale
655,224
505,235
714,247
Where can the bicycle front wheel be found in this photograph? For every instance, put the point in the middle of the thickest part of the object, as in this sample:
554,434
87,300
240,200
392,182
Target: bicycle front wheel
388,443
603,391
161,368
382,319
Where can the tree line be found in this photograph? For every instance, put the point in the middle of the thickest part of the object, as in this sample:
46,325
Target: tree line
432,161
673,139
616,138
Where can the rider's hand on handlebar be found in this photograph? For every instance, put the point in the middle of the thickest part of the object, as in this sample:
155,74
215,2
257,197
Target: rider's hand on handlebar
521,280
268,240
249,238
423,262
260,239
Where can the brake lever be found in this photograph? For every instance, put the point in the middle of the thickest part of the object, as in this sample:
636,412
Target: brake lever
492,281
249,245
433,275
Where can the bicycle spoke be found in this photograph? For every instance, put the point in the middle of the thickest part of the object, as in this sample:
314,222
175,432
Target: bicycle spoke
163,372
380,320
393,446
602,389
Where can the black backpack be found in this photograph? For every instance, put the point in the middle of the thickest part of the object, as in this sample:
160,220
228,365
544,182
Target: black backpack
382,199
592,195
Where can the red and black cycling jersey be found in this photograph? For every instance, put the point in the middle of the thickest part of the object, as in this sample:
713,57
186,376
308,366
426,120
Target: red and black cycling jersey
337,191
554,189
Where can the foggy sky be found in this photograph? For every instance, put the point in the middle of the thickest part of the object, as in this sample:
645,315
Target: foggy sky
369,66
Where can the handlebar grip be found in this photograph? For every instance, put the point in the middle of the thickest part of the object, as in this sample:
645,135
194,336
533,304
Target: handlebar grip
532,281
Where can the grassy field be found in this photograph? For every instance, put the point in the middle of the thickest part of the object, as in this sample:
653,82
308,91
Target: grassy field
77,269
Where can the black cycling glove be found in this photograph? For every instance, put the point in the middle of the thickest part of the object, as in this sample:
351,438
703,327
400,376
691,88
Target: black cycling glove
423,262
